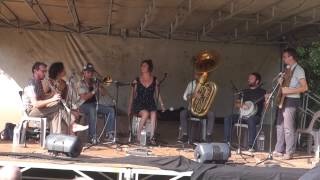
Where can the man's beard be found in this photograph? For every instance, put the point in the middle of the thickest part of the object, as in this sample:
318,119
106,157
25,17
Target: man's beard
252,85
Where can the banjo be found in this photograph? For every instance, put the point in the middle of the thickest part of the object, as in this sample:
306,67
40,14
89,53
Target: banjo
248,109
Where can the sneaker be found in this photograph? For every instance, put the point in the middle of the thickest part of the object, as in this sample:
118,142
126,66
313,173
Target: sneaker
183,139
209,138
277,154
109,137
252,150
287,156
153,141
94,141
77,127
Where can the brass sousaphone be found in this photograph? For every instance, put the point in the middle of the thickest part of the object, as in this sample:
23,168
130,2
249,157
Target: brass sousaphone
205,90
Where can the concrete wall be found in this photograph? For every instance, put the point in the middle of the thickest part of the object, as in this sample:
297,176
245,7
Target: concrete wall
121,58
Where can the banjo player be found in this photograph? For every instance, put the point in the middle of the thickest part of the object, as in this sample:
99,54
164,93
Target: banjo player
250,107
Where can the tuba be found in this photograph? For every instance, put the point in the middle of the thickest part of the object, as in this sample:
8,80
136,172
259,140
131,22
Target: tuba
205,90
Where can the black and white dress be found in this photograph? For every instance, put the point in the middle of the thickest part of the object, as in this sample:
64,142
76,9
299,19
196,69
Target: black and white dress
144,99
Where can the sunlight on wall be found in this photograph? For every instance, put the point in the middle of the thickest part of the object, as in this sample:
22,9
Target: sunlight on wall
10,102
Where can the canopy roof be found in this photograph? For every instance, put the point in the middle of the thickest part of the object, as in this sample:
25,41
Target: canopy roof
202,20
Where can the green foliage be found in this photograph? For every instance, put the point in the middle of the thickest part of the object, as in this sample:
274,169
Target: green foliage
310,61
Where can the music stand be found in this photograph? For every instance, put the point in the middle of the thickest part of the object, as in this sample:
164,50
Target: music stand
96,140
117,84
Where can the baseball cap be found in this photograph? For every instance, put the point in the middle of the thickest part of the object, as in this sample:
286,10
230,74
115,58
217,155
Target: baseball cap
88,67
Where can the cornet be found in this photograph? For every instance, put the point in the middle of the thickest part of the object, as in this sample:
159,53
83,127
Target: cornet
107,80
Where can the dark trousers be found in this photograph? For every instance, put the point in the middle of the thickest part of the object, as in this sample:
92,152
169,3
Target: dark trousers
184,121
232,119
89,109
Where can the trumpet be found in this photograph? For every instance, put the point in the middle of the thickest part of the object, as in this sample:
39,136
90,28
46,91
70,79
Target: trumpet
106,80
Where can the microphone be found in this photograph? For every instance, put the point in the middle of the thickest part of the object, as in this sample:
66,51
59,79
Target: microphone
73,73
281,74
233,86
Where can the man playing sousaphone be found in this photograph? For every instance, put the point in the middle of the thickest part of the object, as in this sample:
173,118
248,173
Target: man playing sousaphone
42,101
200,94
189,93
253,95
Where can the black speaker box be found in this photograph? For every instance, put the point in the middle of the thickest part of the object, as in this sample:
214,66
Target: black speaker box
60,143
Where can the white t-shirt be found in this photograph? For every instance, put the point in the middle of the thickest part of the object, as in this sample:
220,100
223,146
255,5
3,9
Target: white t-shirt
298,74
190,89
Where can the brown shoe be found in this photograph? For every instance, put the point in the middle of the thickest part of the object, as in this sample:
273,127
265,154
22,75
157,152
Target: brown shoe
287,157
277,154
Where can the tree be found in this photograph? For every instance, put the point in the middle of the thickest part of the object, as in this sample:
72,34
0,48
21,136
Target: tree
310,61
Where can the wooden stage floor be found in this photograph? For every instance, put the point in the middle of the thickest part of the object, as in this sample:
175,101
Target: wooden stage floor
300,160
111,151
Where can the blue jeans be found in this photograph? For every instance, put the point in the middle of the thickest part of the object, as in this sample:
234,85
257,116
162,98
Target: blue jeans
252,122
89,109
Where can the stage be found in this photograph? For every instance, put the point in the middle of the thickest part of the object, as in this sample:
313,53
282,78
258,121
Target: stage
112,162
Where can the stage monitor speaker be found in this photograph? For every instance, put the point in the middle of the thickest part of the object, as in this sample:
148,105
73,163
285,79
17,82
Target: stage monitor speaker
212,152
60,143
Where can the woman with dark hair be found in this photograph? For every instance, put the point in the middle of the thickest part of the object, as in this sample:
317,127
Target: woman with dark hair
57,85
56,75
143,98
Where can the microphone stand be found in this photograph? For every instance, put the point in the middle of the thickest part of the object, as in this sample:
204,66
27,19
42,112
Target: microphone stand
158,95
70,104
96,140
234,90
270,103
239,129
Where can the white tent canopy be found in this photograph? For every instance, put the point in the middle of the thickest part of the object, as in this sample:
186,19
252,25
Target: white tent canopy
202,20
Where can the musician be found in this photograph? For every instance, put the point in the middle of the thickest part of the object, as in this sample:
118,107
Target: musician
255,94
143,98
56,84
295,78
56,75
38,102
90,90
187,96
